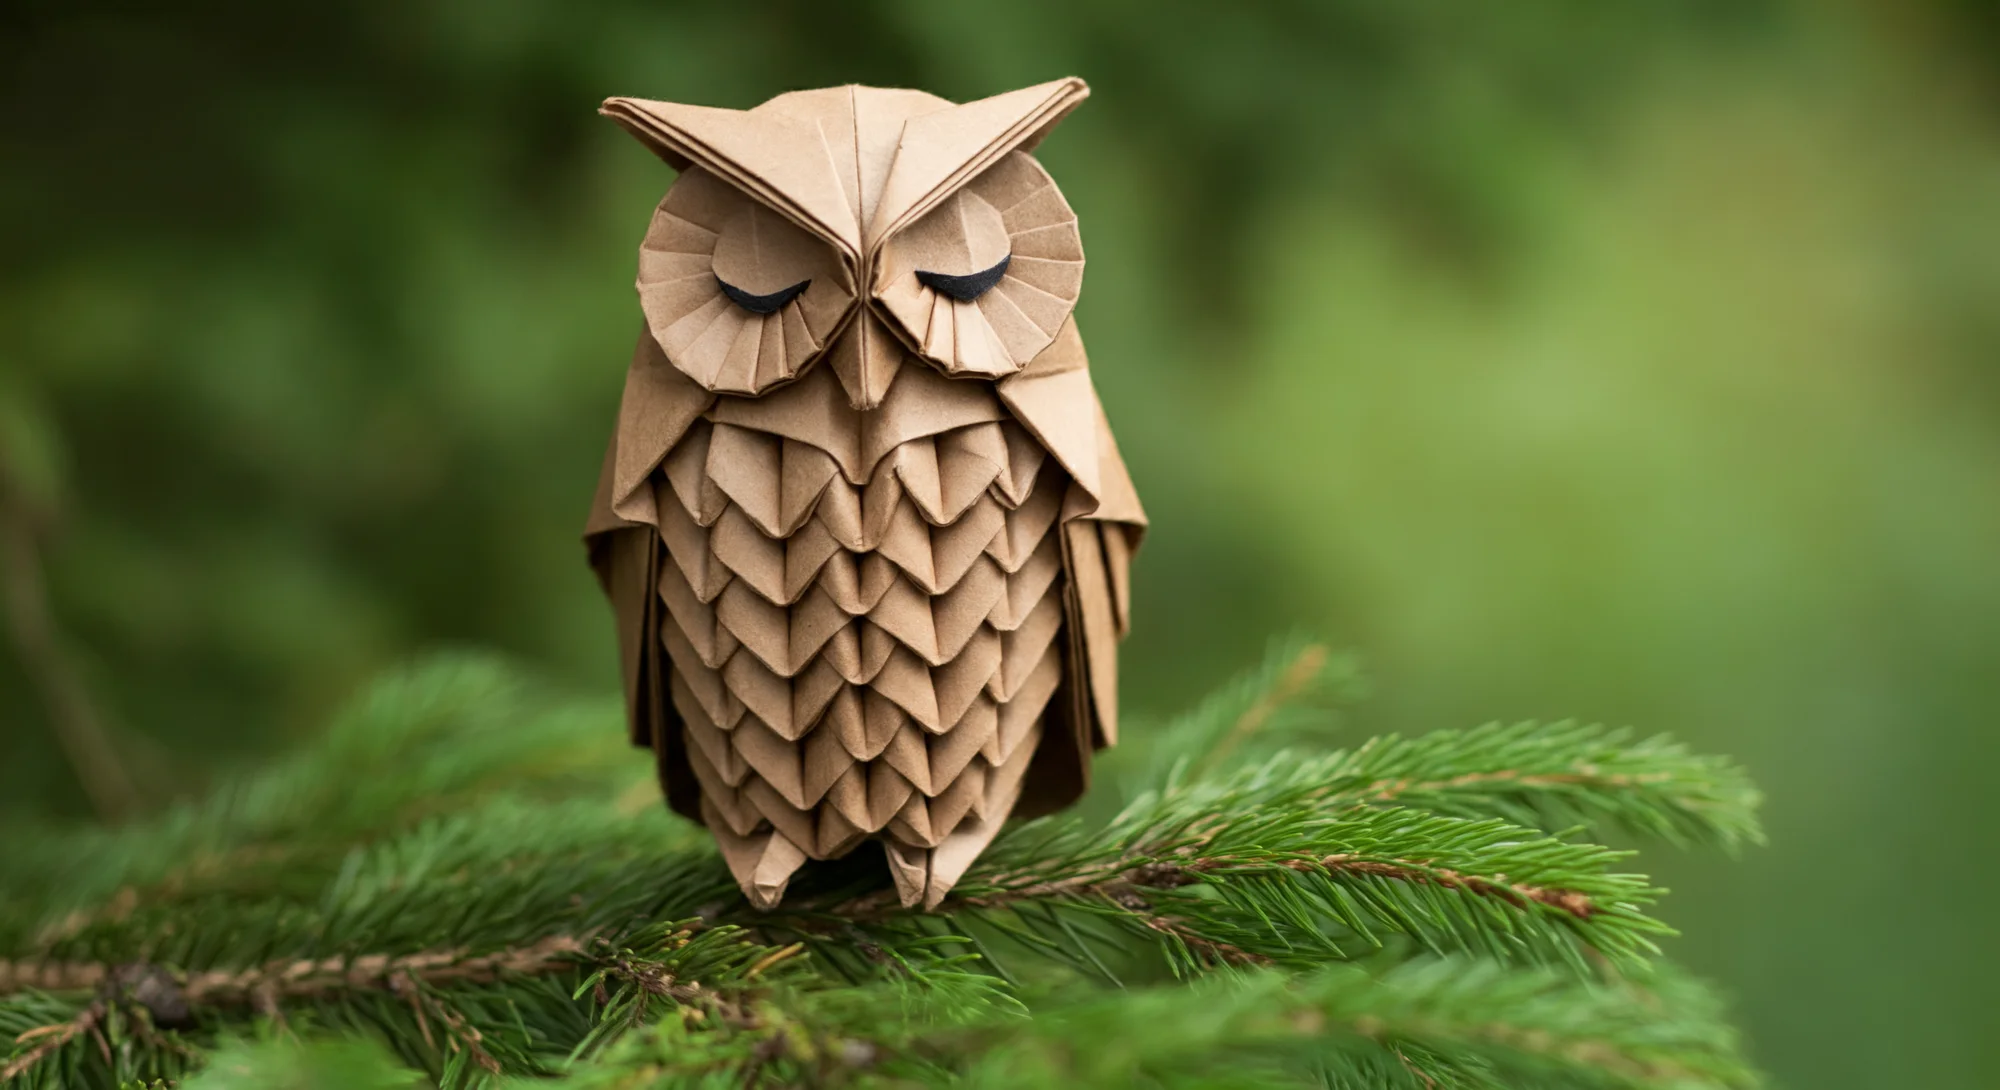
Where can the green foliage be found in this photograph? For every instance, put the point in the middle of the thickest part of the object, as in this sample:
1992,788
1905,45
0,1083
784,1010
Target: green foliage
287,1064
416,743
1258,865
461,884
1631,359
1291,696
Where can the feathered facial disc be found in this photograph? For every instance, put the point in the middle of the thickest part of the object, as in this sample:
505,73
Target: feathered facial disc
982,282
739,297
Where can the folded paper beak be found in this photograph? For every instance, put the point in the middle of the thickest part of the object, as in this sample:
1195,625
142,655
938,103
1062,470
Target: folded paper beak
866,356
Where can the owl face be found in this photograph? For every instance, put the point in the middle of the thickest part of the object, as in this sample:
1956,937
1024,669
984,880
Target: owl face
856,228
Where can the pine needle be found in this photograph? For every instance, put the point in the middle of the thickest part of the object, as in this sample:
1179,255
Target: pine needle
1407,913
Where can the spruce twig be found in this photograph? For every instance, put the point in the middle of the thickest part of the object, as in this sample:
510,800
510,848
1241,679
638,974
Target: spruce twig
44,1041
1390,915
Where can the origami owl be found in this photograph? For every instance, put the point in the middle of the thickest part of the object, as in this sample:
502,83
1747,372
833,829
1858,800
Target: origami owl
862,521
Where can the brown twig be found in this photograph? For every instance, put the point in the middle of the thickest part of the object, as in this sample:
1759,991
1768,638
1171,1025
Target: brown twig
463,1035
1128,885
1214,950
51,976
1429,1083
1520,894
773,958
31,626
304,979
1117,882
52,1038
1582,776
168,997
146,988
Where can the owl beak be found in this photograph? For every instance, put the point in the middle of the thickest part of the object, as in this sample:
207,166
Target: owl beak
866,357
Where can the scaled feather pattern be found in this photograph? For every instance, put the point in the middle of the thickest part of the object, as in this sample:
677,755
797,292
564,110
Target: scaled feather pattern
868,555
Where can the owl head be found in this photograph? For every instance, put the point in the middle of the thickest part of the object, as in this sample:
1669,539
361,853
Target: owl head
858,228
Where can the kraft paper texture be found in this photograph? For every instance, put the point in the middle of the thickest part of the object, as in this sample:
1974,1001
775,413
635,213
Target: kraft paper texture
867,542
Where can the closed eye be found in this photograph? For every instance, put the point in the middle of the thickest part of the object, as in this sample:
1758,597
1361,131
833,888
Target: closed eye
968,287
764,304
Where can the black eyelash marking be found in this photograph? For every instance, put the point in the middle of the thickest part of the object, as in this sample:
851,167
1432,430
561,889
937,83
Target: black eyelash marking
762,304
968,287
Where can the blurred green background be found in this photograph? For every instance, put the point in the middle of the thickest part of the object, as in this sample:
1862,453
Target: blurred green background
1634,362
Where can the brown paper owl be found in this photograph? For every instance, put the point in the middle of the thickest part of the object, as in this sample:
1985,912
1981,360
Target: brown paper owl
862,521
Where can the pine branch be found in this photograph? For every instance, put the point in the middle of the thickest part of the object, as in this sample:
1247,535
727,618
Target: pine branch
1561,777
1438,1023
38,1042
460,905
1429,1024
454,938
1255,876
443,996
429,740
1557,777
495,905
507,873
455,1012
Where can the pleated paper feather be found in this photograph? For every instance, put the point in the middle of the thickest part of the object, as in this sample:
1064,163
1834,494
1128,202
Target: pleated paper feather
869,554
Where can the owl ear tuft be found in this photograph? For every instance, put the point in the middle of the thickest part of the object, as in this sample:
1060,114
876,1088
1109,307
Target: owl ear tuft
942,150
767,156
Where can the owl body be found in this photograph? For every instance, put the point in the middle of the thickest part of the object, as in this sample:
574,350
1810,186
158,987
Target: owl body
862,520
